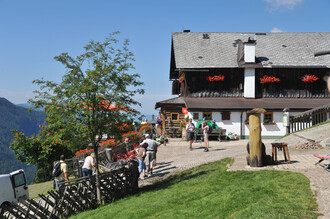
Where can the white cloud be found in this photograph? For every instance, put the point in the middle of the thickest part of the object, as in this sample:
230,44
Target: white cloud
277,30
283,4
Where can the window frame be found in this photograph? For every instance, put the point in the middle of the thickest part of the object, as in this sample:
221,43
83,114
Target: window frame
271,122
229,114
207,113
194,116
178,117
17,180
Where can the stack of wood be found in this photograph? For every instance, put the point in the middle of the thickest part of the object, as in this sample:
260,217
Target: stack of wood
309,145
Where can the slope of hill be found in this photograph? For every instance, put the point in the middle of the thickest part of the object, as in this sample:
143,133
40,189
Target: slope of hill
15,117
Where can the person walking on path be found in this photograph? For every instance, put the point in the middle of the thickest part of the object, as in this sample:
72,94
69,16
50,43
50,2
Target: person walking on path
140,155
59,181
151,154
205,129
88,165
190,127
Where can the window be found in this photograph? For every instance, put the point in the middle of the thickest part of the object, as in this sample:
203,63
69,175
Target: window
19,179
207,115
268,118
175,116
225,115
196,116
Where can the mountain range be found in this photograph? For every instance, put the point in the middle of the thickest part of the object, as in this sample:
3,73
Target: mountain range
16,117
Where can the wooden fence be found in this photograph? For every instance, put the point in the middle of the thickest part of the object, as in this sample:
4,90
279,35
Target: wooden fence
78,196
310,118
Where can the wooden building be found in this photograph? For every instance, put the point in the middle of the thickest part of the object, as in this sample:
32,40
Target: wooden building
221,76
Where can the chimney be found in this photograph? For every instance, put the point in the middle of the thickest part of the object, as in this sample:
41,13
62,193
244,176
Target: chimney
250,50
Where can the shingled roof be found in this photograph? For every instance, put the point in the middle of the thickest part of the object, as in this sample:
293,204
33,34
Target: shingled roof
172,101
273,50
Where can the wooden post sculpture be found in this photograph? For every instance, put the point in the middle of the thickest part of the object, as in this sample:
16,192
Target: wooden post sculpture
255,137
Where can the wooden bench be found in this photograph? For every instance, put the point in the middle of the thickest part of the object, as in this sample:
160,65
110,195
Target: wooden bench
219,133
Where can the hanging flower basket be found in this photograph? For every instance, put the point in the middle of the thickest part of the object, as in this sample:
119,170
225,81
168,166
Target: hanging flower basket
268,79
216,78
181,79
309,78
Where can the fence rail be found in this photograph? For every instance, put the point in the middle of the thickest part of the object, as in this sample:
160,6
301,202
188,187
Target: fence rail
79,196
310,118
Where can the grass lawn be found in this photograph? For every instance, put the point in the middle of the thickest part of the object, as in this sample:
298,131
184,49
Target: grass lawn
39,188
208,191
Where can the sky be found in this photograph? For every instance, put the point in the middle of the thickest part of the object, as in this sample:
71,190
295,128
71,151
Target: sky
32,32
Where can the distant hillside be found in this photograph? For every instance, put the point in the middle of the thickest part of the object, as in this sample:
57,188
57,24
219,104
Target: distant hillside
28,105
16,117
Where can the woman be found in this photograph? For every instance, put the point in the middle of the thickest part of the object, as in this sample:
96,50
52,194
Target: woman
205,129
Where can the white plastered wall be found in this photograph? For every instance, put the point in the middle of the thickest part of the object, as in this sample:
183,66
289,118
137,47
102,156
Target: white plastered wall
249,83
234,125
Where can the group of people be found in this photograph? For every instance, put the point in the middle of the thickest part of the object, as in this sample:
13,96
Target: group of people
87,170
191,130
146,156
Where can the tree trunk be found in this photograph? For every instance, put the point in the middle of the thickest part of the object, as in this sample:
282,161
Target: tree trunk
255,140
97,177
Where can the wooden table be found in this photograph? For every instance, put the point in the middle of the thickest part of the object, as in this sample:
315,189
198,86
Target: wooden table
284,147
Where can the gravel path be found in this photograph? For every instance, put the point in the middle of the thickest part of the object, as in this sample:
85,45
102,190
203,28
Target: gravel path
176,156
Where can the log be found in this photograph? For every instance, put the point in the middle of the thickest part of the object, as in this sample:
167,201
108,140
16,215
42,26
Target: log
255,137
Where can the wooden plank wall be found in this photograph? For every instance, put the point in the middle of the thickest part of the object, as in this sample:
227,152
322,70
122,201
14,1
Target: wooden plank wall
172,127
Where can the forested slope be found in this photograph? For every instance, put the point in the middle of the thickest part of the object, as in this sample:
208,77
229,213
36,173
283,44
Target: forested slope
16,117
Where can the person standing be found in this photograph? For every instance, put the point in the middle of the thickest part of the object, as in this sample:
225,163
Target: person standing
60,180
150,154
88,165
140,155
190,127
205,129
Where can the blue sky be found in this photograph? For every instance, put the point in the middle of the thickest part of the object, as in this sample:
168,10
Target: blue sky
32,32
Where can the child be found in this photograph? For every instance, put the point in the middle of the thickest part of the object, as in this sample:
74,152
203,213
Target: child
141,153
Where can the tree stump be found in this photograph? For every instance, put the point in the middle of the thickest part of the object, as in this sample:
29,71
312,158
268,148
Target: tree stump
255,137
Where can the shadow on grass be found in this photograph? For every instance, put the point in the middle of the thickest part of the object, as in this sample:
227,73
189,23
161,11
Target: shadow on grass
171,181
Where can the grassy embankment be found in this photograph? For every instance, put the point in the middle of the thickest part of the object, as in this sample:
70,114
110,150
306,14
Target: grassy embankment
208,191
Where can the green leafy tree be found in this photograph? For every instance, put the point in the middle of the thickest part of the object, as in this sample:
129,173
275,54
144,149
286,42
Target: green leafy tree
31,150
95,93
